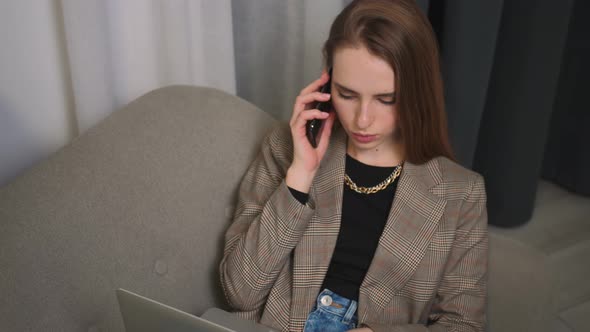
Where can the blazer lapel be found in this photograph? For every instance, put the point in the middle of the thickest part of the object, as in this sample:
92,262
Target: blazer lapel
412,220
313,253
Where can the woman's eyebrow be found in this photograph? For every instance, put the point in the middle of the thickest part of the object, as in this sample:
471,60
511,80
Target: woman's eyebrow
345,89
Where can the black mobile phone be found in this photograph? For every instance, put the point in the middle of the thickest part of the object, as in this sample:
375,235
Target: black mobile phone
312,127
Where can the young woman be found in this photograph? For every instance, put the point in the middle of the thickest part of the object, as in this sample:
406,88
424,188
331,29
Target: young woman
377,228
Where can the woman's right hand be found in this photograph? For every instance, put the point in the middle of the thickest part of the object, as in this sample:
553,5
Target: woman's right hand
306,158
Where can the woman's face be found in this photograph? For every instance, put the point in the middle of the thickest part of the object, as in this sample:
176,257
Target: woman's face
362,95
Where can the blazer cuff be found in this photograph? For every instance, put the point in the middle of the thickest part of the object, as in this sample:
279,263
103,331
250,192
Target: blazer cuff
293,213
300,196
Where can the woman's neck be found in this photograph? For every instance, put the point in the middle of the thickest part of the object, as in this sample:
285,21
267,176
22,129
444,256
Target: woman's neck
384,157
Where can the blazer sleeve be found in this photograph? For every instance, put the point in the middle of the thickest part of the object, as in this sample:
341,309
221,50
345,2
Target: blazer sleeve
267,225
460,303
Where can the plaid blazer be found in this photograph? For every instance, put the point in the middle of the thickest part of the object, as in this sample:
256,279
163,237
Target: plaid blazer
430,268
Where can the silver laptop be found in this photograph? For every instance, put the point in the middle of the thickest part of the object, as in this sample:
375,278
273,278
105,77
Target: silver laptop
141,314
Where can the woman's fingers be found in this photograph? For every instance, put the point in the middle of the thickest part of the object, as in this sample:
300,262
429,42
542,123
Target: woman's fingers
304,154
314,96
316,85
307,115
326,132
303,100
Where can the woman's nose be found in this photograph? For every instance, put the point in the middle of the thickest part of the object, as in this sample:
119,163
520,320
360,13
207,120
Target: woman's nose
364,117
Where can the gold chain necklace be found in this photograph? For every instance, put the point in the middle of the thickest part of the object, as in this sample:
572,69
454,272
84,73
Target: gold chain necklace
371,190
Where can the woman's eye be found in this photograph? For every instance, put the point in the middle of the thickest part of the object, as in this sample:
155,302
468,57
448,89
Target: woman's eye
345,96
385,102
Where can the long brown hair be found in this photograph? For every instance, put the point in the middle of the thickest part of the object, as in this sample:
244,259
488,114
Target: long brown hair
399,33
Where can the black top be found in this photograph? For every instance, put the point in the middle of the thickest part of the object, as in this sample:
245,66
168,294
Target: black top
363,219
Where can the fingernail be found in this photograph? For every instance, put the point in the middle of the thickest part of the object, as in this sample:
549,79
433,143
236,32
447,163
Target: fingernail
326,95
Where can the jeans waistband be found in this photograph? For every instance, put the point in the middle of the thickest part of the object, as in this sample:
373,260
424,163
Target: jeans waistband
337,305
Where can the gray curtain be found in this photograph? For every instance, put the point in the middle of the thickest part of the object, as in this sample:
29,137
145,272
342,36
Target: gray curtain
514,87
278,48
467,32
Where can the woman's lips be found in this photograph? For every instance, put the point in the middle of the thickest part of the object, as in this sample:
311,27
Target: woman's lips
364,138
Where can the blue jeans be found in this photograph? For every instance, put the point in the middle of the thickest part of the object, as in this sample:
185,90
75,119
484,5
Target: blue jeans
332,313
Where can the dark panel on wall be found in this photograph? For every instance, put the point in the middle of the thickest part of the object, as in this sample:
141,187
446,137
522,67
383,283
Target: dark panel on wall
519,104
567,154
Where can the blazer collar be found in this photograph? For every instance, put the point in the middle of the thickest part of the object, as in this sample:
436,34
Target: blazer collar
330,177
412,220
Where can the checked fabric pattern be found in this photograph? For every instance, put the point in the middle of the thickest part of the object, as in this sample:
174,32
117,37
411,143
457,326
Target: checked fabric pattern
428,273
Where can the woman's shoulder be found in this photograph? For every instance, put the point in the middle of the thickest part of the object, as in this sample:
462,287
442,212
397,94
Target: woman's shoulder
459,180
279,142
279,136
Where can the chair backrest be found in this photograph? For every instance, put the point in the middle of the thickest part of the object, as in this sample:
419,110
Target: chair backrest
140,201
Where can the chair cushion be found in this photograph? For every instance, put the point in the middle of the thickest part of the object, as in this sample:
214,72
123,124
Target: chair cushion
140,201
